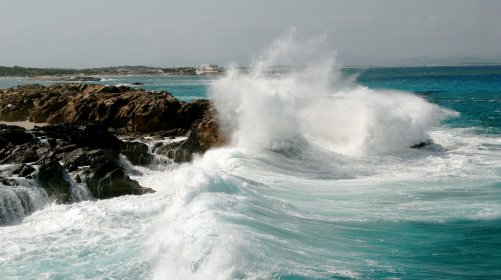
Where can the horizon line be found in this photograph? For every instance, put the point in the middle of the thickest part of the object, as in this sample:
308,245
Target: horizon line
248,66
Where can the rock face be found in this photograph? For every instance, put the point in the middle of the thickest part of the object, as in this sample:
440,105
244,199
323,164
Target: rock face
78,155
203,135
51,177
89,152
122,109
136,152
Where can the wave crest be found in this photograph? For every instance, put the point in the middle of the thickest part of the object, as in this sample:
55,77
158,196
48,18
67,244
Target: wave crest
319,106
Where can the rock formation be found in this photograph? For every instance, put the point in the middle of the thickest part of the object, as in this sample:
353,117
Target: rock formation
88,153
80,147
123,110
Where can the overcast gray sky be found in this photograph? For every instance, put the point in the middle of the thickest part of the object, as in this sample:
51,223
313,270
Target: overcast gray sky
93,33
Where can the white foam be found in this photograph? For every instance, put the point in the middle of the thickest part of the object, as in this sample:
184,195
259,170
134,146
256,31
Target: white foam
282,198
308,149
260,111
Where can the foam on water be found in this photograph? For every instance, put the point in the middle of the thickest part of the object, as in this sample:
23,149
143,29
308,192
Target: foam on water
18,201
317,105
245,215
318,182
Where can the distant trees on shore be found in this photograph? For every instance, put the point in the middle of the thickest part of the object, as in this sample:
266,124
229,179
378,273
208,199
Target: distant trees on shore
18,71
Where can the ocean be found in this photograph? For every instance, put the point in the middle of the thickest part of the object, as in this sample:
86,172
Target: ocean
318,182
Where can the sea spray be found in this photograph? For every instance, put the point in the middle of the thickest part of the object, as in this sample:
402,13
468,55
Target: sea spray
18,201
310,214
242,211
317,105
192,241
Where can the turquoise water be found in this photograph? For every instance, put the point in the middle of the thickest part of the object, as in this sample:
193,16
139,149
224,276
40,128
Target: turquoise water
298,194
474,91
184,87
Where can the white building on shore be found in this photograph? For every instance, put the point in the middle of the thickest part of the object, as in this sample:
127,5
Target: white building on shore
207,69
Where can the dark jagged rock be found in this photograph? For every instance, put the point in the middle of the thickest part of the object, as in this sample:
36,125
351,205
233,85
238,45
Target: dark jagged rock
178,151
8,182
84,79
105,177
80,146
82,157
173,133
23,153
87,135
52,177
89,150
203,135
136,152
192,112
422,144
14,135
23,170
85,119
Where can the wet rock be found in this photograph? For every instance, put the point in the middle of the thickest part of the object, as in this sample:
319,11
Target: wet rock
101,170
23,153
87,135
178,151
173,133
136,152
84,79
52,177
23,170
85,119
89,150
83,157
106,178
192,112
203,135
422,144
8,182
14,135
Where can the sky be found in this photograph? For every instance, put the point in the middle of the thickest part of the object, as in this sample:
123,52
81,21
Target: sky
98,33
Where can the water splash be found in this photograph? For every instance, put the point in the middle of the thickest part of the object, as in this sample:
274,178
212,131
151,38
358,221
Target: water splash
243,212
18,201
316,105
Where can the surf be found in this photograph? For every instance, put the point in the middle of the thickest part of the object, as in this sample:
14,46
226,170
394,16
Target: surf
313,160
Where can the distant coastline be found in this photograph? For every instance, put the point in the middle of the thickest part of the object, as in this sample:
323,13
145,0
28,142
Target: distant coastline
65,73
95,74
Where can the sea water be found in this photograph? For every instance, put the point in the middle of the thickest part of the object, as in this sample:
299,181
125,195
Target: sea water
318,182
184,87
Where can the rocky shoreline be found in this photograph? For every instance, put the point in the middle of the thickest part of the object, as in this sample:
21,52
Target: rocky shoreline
91,129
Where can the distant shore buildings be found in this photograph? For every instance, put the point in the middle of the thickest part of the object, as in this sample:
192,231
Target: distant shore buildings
207,69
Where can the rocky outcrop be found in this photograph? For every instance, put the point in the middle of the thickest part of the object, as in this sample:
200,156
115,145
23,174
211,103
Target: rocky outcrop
203,135
136,152
51,177
123,109
79,155
85,153
17,145
104,176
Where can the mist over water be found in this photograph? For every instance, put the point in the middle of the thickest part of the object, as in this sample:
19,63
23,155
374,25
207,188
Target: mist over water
318,182
318,106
